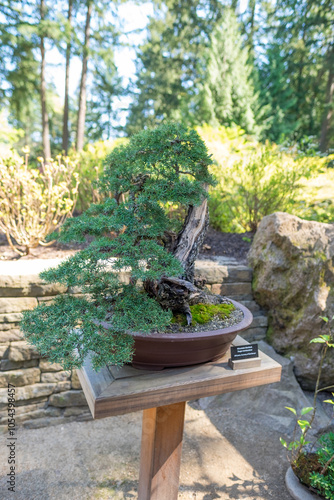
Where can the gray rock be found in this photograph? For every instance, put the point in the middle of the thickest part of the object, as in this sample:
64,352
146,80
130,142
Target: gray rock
294,280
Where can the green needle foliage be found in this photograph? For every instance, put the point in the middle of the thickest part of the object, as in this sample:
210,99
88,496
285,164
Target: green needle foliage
131,229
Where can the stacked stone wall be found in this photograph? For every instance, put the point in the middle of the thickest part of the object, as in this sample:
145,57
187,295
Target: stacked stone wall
45,393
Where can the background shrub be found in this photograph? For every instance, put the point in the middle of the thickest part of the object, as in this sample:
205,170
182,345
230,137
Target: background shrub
90,166
256,179
34,202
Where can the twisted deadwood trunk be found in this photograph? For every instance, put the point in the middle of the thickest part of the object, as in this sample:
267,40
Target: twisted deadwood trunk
178,293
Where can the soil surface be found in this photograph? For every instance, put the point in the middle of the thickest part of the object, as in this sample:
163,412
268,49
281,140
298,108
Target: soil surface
215,243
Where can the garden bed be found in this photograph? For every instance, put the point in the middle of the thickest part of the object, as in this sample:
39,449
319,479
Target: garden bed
216,243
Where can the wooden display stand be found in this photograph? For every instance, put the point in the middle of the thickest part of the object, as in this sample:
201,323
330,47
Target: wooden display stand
163,395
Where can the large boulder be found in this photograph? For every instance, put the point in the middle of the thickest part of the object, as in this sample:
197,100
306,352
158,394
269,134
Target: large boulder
294,280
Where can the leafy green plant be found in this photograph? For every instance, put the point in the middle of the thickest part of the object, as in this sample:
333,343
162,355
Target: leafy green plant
34,202
257,179
132,230
323,480
264,181
301,458
90,166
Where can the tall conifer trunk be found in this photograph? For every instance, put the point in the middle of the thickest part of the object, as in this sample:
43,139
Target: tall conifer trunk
45,118
67,81
83,82
326,123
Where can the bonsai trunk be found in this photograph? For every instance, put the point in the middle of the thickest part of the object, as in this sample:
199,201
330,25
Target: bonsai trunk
178,293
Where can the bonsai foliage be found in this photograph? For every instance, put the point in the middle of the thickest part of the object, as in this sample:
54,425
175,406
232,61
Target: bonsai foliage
132,230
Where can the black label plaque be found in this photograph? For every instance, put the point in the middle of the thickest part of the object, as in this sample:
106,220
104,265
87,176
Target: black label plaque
247,351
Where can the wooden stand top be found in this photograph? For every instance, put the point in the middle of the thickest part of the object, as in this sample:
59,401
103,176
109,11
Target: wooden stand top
118,390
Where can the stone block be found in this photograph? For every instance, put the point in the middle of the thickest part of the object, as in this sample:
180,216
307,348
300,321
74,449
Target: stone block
55,376
33,415
10,318
22,405
63,386
259,321
69,398
254,334
75,411
45,422
21,351
27,285
46,300
6,364
232,289
17,304
47,366
251,305
4,350
27,392
19,410
8,326
10,335
20,377
75,380
215,273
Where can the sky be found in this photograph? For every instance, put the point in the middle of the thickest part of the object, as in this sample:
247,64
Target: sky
134,17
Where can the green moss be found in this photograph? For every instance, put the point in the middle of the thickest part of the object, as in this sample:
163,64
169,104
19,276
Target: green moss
203,313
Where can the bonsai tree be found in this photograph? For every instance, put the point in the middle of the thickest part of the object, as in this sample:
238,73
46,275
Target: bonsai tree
151,224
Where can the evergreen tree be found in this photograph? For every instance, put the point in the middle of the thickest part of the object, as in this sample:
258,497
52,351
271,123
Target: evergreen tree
277,97
106,85
304,30
170,62
157,167
227,95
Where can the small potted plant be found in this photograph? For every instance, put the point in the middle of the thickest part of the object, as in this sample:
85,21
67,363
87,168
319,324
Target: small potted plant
151,224
312,464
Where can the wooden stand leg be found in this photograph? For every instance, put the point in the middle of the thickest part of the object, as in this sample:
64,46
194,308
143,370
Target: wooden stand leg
161,448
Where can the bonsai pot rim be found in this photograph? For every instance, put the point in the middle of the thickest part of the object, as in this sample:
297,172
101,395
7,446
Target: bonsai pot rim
181,336
157,351
297,490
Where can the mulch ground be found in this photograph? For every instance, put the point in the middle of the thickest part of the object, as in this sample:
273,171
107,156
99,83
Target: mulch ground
216,243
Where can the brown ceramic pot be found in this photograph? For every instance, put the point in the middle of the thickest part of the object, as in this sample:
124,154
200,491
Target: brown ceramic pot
157,351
